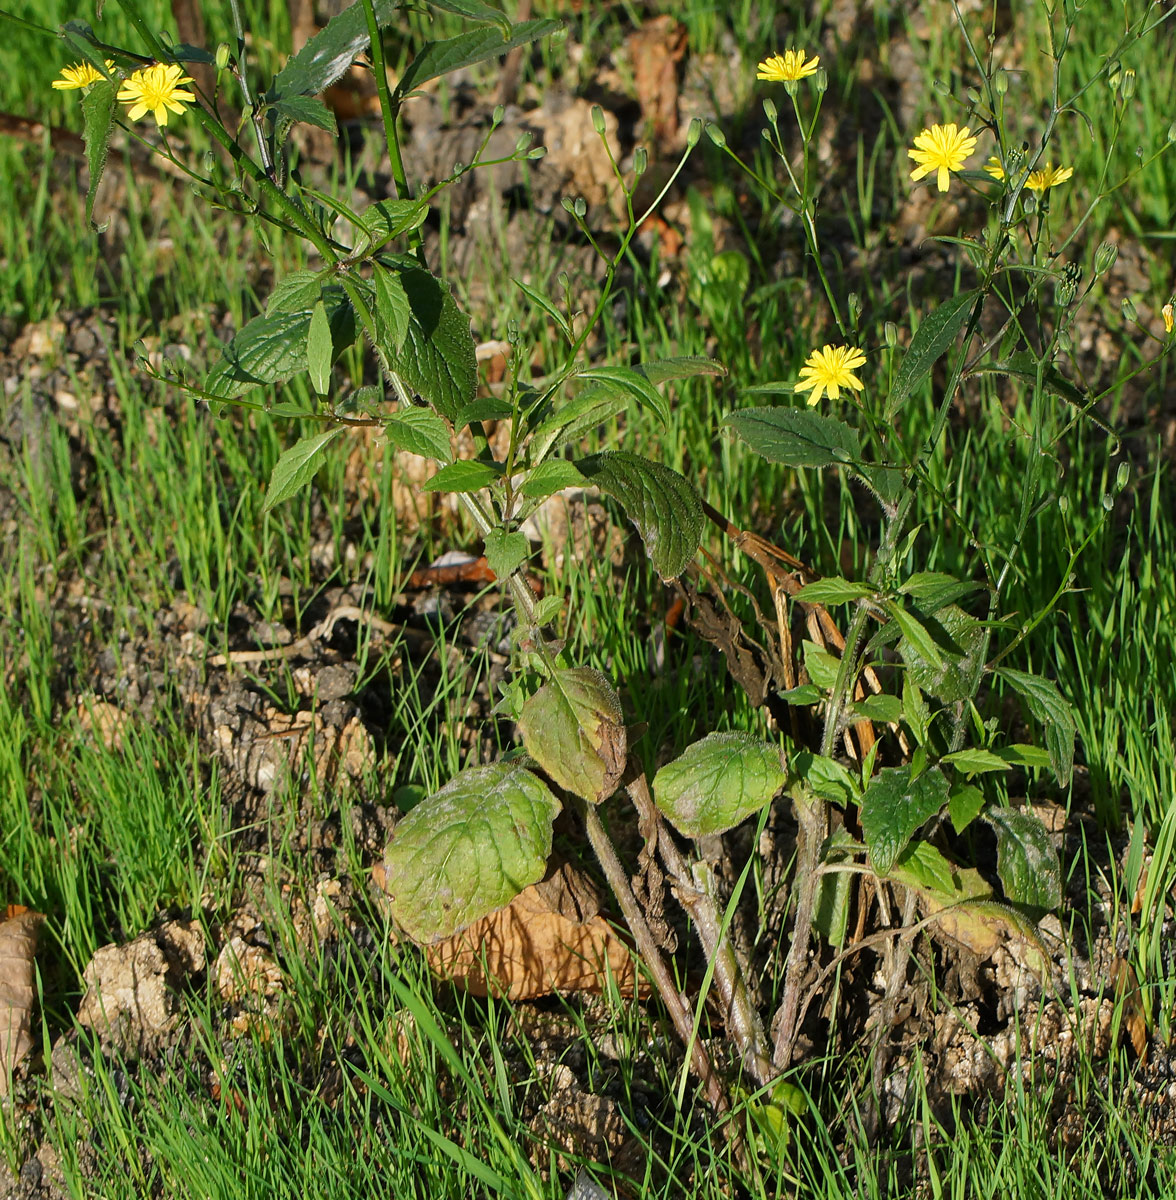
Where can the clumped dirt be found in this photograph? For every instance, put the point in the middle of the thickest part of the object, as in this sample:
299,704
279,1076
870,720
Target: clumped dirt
971,1024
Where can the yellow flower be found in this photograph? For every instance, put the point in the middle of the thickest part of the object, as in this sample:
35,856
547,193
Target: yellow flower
782,68
992,167
1168,312
155,90
80,76
828,370
1047,177
941,148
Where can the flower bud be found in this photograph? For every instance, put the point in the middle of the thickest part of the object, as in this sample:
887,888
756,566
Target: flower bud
523,142
890,333
640,160
693,133
581,207
821,81
1122,476
1168,312
770,111
222,56
498,115
854,304
1065,341
1172,132
598,119
1104,257
716,135
973,96
1000,83
1128,307
1128,83
941,87
538,152
1114,75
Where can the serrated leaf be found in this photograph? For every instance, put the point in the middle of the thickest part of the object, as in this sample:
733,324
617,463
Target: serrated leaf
718,782
660,502
550,477
573,727
436,355
796,437
571,421
469,849
883,708
542,302
924,652
936,333
297,292
465,475
975,761
884,481
475,10
959,642
271,349
894,807
97,123
318,349
505,552
1021,754
485,408
805,694
826,777
331,51
297,467
964,805
440,58
306,110
633,384
1026,860
1047,705
386,219
832,590
933,590
393,312
419,431
821,666
547,609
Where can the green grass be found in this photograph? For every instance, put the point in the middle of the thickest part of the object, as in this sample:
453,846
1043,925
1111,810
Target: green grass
316,1100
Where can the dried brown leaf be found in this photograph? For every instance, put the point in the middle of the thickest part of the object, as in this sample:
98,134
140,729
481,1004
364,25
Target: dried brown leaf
18,944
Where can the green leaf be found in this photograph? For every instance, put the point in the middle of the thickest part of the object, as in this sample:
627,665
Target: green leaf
1023,366
547,609
718,782
660,502
466,475
831,914
271,349
475,10
924,652
894,807
97,122
827,777
387,219
885,709
822,667
1046,704
1026,860
485,408
936,333
633,384
592,408
331,51
469,849
419,431
393,312
975,761
964,805
573,727
933,590
884,481
550,477
802,696
1020,754
915,710
436,355
959,641
297,292
832,590
796,437
505,552
542,302
297,467
440,58
306,110
690,366
318,349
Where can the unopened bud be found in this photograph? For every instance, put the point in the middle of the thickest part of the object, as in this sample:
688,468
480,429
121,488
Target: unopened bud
1065,341
693,133
538,152
770,111
1122,476
1172,132
941,87
1128,307
1128,83
1028,201
890,333
222,56
854,304
821,81
598,119
1114,76
1104,257
498,115
973,96
640,160
1000,83
716,135
1168,312
581,207
523,142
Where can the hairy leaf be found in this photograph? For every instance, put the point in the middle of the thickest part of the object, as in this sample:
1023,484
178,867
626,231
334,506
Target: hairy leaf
440,58
1026,860
298,466
832,590
469,849
550,477
936,333
1045,702
718,782
796,437
97,123
957,640
419,431
894,807
593,407
331,51
632,384
505,552
465,475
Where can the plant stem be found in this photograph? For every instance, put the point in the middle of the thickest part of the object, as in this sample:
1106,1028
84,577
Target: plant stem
651,956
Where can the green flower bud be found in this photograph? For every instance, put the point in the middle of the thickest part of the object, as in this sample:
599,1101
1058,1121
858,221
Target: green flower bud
1122,476
821,81
693,133
890,334
1128,307
770,111
854,304
598,119
1065,341
581,207
1104,257
537,153
1172,132
1000,83
523,142
497,116
941,87
222,56
716,135
1128,83
640,160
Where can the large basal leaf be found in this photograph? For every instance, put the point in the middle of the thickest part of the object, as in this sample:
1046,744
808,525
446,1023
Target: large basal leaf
1026,860
271,349
573,727
97,122
331,51
1045,702
469,849
439,58
958,641
796,437
894,807
660,502
436,356
718,782
298,466
932,338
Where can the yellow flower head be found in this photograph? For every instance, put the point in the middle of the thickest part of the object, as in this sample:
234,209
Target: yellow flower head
1047,177
942,148
1168,312
992,167
783,68
80,76
828,370
155,90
